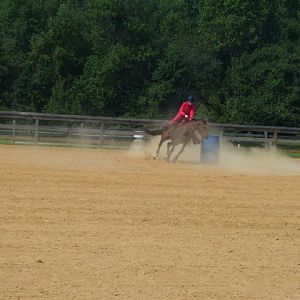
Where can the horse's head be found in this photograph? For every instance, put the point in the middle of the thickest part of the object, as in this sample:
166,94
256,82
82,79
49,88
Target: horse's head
201,126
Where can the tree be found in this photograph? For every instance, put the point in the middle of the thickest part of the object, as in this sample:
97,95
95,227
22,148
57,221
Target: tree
235,26
56,57
264,87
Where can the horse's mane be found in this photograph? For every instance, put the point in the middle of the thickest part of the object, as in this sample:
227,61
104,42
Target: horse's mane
201,119
172,128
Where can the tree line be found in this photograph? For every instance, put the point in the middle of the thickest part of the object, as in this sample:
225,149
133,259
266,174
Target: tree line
140,58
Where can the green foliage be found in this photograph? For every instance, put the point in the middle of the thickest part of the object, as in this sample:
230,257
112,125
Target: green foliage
264,87
139,58
62,100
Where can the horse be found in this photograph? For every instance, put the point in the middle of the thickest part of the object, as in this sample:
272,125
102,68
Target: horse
194,131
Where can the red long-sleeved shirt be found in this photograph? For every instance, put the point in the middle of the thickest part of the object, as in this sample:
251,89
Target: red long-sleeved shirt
187,109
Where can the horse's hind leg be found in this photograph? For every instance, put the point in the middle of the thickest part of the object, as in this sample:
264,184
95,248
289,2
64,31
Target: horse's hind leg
158,148
169,152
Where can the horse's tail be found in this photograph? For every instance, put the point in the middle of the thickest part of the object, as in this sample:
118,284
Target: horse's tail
154,131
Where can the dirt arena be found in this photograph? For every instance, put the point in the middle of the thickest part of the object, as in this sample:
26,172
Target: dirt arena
104,224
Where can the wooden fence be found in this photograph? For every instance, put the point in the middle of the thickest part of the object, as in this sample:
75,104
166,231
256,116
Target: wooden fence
54,129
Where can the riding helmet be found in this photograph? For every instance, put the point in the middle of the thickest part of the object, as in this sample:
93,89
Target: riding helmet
191,99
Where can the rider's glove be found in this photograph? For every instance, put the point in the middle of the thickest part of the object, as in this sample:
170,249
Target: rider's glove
186,116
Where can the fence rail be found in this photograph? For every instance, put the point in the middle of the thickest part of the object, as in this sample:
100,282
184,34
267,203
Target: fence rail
106,131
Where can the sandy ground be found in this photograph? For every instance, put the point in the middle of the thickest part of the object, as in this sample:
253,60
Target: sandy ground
103,224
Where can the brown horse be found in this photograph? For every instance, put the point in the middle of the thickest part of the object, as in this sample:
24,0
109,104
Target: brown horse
194,131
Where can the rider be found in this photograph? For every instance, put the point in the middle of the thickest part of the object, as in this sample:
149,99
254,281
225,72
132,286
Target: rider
186,112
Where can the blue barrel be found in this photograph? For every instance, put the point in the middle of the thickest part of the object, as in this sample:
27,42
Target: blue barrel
210,149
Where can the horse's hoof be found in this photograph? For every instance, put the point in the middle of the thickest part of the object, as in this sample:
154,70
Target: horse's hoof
154,156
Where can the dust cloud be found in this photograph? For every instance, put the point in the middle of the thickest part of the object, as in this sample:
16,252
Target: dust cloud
252,161
258,161
248,161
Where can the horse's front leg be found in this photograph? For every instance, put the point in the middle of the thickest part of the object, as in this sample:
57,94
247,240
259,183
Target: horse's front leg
179,152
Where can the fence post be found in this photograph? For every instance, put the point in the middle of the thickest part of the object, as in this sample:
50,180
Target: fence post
221,134
36,131
266,139
275,138
101,137
70,133
14,131
81,130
